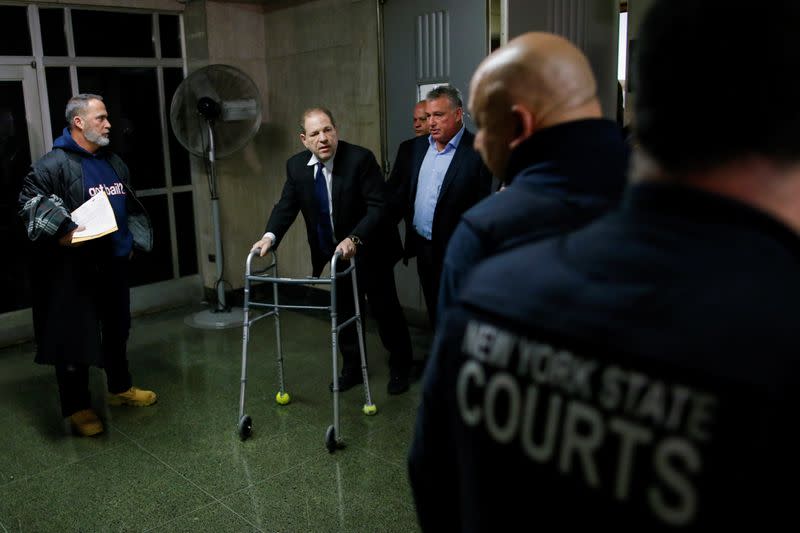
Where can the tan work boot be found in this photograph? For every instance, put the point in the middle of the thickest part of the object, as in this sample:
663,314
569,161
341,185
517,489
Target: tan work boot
133,396
85,423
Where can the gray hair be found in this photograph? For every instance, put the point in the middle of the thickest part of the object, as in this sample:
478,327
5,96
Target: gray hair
448,91
77,105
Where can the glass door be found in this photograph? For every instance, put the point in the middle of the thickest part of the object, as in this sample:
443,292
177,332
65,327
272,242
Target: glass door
21,141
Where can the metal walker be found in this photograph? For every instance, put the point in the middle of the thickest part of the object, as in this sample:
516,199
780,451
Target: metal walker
332,435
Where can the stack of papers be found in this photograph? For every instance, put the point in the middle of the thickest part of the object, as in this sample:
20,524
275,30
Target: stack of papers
96,216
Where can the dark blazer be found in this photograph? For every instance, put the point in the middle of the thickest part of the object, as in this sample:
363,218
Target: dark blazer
467,181
357,191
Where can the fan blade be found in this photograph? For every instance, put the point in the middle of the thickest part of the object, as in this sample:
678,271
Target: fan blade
202,86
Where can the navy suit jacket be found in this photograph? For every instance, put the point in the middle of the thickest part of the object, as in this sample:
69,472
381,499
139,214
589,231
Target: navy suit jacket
466,182
357,191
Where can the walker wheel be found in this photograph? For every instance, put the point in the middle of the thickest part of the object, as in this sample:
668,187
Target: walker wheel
245,427
282,398
330,439
369,409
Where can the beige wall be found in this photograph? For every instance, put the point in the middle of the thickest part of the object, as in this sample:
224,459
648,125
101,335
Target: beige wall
318,53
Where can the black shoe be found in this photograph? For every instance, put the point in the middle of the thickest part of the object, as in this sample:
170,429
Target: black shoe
398,383
348,381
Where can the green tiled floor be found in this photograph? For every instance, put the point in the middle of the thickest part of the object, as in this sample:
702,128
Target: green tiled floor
180,466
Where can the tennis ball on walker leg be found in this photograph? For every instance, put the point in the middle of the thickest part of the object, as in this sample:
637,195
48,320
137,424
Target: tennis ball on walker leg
282,398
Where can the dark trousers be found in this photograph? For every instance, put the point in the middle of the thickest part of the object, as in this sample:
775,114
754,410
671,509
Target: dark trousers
385,307
113,303
429,269
376,280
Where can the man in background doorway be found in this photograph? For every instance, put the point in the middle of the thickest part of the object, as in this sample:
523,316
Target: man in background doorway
404,160
420,120
445,177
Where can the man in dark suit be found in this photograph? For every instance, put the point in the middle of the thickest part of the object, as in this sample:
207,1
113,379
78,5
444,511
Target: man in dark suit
434,180
420,115
340,191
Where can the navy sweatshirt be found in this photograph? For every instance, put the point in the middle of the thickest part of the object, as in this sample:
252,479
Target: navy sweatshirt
99,175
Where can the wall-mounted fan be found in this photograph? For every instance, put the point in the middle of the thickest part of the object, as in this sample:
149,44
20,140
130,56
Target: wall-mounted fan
214,113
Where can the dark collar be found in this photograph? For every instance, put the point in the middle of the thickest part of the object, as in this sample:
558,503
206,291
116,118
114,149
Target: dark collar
676,199
585,155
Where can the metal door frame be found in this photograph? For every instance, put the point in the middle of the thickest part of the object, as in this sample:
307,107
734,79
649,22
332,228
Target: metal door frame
30,90
18,325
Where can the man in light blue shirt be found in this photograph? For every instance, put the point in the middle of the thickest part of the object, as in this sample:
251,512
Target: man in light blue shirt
431,176
445,177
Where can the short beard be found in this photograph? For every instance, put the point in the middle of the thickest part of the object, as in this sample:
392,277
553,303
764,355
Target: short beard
97,138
